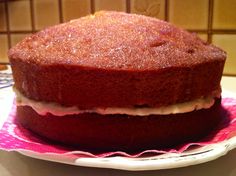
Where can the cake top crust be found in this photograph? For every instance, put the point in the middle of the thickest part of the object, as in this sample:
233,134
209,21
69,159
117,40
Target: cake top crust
116,40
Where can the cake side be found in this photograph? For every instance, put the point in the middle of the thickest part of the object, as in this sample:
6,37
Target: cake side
100,88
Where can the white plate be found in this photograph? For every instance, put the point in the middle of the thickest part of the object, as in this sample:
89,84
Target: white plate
163,161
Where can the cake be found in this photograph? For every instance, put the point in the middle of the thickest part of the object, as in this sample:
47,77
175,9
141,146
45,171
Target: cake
117,81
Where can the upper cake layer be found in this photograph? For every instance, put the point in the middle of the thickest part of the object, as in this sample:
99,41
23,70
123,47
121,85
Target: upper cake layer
114,59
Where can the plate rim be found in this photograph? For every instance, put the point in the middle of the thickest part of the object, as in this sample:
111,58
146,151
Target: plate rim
163,161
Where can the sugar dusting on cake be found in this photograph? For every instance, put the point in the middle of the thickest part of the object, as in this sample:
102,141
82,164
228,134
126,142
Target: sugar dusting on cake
116,40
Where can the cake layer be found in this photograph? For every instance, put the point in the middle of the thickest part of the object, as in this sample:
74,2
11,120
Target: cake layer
114,59
56,109
120,132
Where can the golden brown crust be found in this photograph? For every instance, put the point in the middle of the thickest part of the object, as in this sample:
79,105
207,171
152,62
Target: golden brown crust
116,40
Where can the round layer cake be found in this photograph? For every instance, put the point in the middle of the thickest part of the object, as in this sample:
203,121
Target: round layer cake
117,81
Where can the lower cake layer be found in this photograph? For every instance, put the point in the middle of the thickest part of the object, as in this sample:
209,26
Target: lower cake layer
120,132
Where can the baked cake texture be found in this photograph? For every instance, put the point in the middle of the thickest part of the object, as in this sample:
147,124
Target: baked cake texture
114,59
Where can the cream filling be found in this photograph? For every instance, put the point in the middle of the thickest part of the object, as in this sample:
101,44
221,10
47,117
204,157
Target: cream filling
56,109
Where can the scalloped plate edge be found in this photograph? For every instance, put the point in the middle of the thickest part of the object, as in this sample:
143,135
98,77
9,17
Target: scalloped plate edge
163,161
